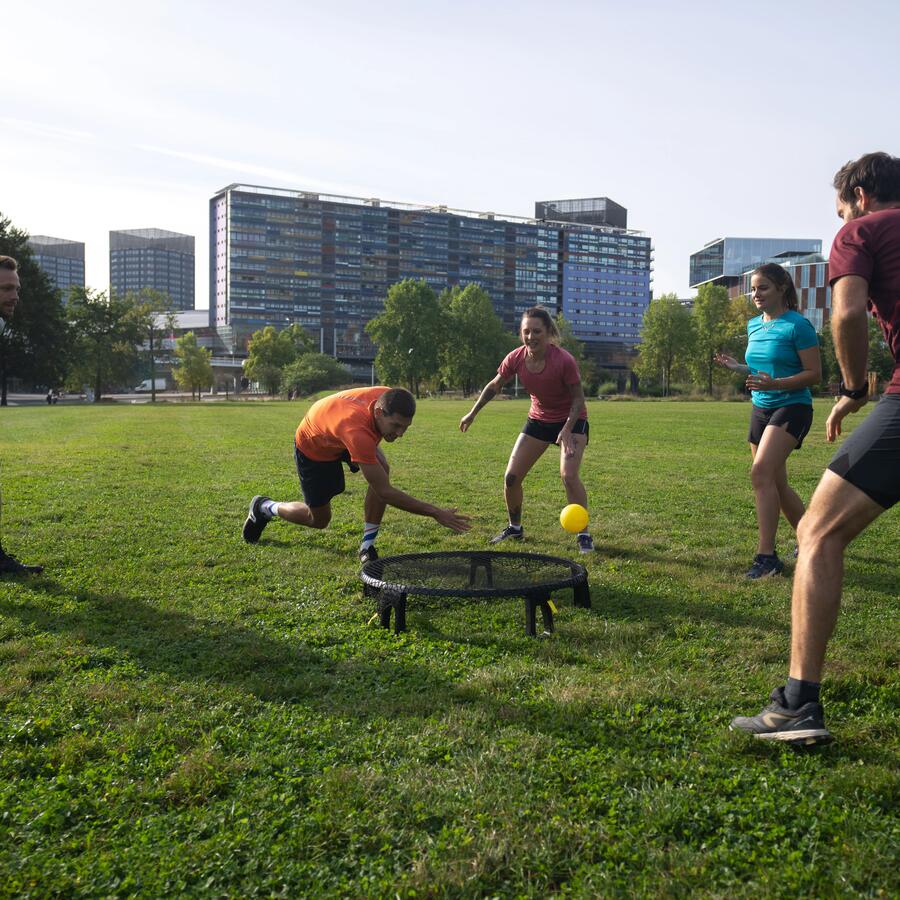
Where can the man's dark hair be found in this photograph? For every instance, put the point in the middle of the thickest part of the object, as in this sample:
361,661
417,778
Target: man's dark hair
878,174
7,262
779,276
398,402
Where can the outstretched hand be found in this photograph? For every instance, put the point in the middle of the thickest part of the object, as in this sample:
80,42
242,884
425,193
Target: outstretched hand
454,520
729,362
465,422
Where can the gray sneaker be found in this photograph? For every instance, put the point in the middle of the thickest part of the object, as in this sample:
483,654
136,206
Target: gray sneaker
509,533
256,521
804,726
585,543
765,566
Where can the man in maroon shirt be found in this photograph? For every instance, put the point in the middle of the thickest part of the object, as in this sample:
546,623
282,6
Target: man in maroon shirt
863,478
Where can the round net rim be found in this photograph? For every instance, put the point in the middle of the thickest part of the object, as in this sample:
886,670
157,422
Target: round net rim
577,577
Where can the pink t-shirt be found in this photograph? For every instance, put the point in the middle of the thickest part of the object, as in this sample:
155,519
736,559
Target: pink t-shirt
549,389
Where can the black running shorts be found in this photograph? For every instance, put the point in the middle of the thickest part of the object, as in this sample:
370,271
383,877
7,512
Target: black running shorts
870,458
320,481
796,418
549,431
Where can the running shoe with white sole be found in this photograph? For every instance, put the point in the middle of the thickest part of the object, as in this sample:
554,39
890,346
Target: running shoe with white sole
256,520
777,722
585,543
764,566
509,533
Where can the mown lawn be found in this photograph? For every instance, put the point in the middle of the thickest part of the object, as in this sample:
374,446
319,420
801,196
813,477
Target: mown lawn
181,713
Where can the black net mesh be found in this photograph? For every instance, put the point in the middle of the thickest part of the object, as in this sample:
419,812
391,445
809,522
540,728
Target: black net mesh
472,574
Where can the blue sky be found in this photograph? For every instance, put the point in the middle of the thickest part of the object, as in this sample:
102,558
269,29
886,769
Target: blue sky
703,119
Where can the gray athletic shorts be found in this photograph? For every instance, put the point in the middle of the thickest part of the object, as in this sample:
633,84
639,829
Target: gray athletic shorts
870,458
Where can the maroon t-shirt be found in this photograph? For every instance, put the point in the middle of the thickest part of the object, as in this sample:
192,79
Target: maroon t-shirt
550,397
870,247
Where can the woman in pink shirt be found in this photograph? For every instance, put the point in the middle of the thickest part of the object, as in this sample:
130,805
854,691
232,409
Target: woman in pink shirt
557,416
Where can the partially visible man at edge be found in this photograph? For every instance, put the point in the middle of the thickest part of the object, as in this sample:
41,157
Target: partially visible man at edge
863,478
9,298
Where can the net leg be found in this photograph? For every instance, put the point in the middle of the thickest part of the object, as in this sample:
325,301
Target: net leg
531,603
489,572
399,613
582,595
384,611
547,614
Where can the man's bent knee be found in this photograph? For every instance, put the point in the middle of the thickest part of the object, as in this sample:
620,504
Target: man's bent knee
320,517
510,479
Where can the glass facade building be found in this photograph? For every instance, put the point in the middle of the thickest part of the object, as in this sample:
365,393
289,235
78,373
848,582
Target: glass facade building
61,260
326,262
153,258
723,261
584,211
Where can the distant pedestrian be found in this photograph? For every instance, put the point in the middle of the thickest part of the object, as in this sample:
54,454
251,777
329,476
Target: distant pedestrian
9,299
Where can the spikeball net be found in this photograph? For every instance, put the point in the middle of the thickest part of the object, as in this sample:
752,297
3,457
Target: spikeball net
470,574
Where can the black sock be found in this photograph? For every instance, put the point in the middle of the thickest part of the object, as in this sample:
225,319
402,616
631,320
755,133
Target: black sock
797,692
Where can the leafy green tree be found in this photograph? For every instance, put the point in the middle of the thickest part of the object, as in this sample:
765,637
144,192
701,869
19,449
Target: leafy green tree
667,341
193,369
314,372
881,361
270,350
479,341
157,305
106,334
410,334
35,344
710,318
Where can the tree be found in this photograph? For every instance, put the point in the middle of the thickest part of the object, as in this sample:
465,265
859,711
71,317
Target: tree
157,305
193,370
314,372
35,344
409,334
479,339
106,333
667,339
710,318
270,350
881,360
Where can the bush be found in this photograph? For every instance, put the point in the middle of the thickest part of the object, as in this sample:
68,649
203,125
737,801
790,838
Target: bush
314,372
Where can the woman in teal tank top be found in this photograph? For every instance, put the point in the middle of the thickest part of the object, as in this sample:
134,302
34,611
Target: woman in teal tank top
782,364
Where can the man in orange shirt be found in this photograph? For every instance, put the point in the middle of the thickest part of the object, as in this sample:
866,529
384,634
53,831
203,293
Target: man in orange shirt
347,428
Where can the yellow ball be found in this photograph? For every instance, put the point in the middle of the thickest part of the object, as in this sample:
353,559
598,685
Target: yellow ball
574,518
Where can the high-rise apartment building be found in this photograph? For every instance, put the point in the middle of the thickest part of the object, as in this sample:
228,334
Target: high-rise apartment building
61,260
326,262
153,258
724,260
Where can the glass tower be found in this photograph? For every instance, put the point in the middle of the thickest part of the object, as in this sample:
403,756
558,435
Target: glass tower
156,259
62,260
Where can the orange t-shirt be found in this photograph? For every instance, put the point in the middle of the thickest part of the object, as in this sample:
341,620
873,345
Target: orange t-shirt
343,421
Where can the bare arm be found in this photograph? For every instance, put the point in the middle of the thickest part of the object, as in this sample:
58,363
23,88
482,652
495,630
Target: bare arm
850,329
810,359
490,390
729,362
380,482
576,392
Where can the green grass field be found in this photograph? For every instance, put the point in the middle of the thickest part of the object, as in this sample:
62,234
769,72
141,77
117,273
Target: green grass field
181,713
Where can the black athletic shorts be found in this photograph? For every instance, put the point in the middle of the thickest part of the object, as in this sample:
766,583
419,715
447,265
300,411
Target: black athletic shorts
549,431
320,481
797,417
870,458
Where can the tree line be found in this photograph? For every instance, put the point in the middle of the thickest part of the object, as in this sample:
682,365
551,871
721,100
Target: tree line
94,339
678,344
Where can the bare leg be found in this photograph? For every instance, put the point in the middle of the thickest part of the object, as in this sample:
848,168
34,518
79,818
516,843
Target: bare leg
525,453
374,506
791,505
300,514
768,459
569,471
837,513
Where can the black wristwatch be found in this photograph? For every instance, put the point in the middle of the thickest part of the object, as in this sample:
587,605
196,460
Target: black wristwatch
858,394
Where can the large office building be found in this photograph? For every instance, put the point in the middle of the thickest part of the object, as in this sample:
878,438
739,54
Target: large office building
156,259
61,260
724,260
326,262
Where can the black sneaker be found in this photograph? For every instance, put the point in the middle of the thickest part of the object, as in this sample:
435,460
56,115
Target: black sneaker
368,555
804,726
585,543
511,532
765,566
256,521
9,565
